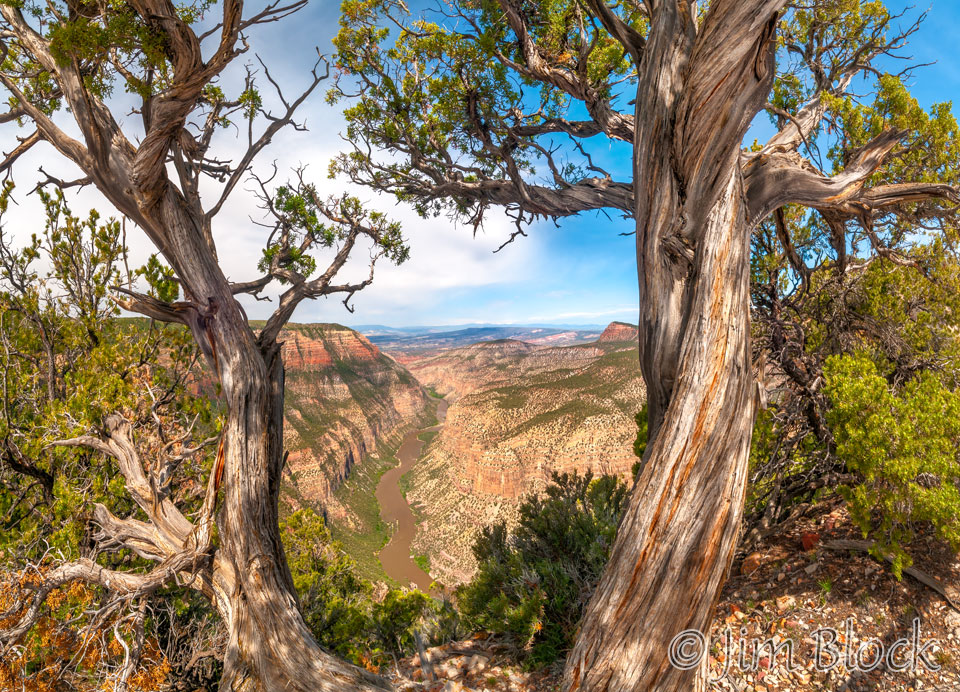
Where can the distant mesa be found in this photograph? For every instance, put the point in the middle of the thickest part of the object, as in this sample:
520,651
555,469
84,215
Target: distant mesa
620,331
409,344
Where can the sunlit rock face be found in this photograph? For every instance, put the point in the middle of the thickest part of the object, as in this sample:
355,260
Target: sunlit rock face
343,396
620,331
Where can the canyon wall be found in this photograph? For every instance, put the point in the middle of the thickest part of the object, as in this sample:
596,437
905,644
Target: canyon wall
459,371
343,398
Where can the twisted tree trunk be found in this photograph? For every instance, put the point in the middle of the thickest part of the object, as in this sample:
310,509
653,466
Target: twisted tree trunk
699,90
677,538
270,646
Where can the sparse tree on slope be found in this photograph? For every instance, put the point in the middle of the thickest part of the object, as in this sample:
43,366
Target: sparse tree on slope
61,64
498,104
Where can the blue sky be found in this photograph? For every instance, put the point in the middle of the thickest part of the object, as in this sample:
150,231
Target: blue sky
581,271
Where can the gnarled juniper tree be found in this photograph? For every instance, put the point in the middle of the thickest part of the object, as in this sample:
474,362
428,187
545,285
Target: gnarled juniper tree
62,63
499,103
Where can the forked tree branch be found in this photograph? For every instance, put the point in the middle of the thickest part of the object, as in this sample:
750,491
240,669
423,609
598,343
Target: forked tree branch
775,179
180,547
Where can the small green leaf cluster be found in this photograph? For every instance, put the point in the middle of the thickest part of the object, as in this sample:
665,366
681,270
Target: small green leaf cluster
250,103
161,280
304,223
533,582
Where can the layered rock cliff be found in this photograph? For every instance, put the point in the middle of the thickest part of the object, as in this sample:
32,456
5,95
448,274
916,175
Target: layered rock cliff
620,331
343,398
522,414
459,371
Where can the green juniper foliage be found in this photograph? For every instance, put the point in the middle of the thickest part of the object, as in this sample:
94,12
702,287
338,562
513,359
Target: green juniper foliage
342,609
840,299
533,582
903,442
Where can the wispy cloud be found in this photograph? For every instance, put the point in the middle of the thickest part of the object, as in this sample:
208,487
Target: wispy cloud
631,310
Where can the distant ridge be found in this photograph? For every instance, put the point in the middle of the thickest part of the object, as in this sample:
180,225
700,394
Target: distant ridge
404,346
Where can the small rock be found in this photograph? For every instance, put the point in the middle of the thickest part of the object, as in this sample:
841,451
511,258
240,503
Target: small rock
809,541
785,603
477,663
751,563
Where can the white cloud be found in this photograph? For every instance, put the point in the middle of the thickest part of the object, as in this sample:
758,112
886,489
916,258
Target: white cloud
449,271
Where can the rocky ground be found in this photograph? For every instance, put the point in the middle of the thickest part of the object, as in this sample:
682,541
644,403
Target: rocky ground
797,583
792,587
480,663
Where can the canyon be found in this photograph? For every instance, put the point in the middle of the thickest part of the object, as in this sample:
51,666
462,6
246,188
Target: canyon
516,412
344,400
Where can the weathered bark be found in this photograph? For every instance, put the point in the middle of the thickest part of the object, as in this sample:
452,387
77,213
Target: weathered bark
677,538
246,574
270,646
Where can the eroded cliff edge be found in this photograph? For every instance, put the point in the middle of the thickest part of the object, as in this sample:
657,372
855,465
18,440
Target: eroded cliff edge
344,397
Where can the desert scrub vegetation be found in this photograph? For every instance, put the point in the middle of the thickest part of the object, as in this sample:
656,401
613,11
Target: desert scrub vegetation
349,614
533,581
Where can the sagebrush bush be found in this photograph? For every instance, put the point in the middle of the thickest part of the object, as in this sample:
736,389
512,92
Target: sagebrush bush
534,582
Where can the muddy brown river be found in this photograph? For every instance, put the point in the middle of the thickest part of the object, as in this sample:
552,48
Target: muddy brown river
395,556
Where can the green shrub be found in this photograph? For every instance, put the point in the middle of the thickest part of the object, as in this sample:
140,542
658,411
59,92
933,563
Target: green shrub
532,584
334,599
340,606
395,618
903,441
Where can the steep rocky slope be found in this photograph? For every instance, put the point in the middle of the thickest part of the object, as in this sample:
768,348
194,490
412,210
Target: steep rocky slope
344,398
520,414
620,331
